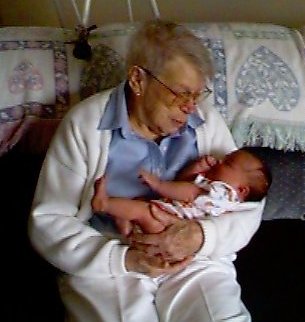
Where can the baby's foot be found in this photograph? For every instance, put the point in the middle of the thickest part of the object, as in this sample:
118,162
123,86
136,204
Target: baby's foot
99,201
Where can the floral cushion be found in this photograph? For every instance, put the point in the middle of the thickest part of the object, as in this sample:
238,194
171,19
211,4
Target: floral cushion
104,70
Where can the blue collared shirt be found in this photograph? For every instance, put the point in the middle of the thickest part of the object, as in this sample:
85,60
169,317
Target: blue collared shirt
129,152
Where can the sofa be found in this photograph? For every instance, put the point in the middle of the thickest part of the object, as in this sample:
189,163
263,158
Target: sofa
259,88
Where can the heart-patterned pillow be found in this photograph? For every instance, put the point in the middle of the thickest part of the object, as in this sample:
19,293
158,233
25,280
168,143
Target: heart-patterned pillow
265,76
25,77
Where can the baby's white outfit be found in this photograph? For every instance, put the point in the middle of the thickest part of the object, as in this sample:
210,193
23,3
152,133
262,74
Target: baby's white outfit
219,198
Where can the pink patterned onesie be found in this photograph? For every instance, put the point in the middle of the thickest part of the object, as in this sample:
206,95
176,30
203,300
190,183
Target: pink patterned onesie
218,199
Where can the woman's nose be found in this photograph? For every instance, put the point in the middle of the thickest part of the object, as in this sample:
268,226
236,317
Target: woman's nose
189,106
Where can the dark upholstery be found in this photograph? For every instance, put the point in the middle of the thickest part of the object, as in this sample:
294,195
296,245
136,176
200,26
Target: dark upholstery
271,272
286,197
30,290
270,269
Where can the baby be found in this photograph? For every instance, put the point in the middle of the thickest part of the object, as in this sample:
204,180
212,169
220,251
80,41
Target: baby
206,187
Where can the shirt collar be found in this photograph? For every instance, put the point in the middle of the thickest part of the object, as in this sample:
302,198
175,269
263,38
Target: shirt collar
116,116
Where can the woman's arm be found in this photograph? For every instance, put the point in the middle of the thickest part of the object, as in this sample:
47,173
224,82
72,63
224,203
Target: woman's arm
211,237
58,226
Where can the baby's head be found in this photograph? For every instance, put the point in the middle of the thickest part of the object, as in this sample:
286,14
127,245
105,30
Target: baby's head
245,172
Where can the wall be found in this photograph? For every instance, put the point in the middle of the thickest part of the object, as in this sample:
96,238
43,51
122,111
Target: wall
43,12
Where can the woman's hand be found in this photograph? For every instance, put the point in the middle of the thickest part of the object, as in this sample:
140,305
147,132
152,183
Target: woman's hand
153,266
180,240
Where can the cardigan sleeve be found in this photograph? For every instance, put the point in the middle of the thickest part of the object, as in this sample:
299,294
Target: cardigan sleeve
58,225
228,233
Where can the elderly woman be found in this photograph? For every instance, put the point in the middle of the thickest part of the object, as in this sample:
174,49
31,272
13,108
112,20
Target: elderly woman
156,120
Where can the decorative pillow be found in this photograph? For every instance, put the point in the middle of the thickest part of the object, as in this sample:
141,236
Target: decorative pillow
266,86
104,70
259,84
286,197
36,79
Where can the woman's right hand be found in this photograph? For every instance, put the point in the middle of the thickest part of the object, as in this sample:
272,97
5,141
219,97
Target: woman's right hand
153,266
181,238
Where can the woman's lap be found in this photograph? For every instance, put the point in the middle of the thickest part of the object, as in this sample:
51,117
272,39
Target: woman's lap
204,291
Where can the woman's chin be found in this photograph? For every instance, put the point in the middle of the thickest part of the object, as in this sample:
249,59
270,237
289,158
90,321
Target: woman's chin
169,131
172,128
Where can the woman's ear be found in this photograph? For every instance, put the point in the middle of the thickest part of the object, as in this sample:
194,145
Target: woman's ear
243,192
136,80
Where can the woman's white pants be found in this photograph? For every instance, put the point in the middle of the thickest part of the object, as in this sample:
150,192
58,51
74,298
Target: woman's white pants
205,291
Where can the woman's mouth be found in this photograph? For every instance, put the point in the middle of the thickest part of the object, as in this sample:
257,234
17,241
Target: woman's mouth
178,123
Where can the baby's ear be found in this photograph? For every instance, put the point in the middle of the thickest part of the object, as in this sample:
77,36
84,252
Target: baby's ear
243,191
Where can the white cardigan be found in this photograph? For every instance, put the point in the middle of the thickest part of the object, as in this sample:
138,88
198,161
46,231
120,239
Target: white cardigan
61,208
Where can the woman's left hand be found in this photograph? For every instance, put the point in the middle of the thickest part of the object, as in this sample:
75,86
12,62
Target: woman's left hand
180,239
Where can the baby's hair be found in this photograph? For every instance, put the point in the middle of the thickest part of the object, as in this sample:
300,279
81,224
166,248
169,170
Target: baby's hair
259,179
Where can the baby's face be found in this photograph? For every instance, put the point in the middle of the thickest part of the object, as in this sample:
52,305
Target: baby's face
225,170
231,169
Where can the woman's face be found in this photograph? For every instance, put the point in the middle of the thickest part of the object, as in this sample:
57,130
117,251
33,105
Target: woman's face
167,99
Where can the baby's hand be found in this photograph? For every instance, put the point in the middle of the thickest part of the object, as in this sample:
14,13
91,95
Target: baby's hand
205,163
200,166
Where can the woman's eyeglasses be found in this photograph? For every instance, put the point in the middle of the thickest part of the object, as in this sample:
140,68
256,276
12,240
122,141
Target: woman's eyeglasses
181,98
